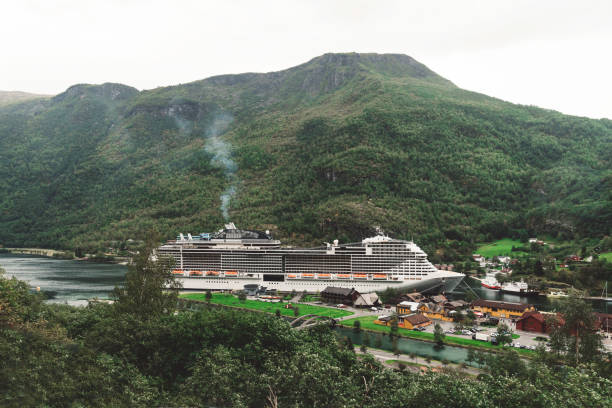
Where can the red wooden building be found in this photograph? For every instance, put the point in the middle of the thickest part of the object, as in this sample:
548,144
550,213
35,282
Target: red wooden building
533,322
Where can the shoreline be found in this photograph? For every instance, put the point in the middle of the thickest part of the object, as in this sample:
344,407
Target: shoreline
63,254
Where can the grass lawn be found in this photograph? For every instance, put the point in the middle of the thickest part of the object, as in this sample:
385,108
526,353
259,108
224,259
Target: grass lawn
367,322
607,256
501,247
231,300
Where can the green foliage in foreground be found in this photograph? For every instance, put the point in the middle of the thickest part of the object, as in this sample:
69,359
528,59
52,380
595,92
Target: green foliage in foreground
303,309
57,355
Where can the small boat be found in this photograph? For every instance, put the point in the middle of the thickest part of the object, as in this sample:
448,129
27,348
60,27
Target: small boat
490,283
360,276
308,275
212,273
556,294
380,276
323,275
292,276
195,273
518,288
177,272
343,276
231,273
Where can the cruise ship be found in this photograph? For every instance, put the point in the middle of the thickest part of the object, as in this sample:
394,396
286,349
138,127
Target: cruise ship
231,259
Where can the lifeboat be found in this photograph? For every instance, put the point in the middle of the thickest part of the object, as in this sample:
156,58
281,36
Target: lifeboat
343,276
308,275
195,273
177,272
292,276
231,273
323,275
360,276
380,276
212,273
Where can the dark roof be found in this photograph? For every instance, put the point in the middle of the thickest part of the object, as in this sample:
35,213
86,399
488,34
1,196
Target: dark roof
501,305
332,290
536,315
416,318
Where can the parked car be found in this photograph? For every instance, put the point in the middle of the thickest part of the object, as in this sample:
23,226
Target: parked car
340,305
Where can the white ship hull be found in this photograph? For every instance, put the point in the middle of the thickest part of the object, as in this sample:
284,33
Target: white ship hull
447,281
233,258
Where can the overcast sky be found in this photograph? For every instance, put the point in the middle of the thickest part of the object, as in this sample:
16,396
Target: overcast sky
553,54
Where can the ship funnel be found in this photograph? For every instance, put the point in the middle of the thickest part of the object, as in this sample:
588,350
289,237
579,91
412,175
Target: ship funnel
336,242
189,237
182,236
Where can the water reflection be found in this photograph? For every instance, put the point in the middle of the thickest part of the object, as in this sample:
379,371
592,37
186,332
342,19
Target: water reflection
66,281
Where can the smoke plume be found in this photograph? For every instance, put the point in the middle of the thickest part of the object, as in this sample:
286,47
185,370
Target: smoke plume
221,152
214,145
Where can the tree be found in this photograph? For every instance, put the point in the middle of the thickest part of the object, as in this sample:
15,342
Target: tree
242,296
277,313
208,296
413,356
504,334
363,348
378,341
296,311
357,326
366,339
394,347
575,334
439,335
149,288
394,327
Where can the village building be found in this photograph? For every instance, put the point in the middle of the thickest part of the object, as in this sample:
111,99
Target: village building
603,322
367,300
337,295
406,307
501,309
410,321
534,322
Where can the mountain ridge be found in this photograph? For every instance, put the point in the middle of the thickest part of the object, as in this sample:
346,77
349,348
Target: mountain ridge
330,148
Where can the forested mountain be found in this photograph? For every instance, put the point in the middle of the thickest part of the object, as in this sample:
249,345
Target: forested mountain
8,97
328,149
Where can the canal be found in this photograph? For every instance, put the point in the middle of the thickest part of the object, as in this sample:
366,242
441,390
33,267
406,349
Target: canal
406,346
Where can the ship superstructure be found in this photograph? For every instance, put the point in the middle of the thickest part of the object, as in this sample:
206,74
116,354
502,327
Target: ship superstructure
233,258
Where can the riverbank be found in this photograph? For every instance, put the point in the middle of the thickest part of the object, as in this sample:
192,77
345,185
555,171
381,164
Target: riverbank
65,254
367,324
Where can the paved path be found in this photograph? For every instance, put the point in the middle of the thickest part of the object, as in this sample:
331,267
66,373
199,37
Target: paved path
383,356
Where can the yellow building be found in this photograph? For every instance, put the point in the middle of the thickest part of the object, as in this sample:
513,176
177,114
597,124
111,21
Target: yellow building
501,309
410,322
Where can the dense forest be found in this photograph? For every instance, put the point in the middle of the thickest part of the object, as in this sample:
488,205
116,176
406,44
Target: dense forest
329,149
138,352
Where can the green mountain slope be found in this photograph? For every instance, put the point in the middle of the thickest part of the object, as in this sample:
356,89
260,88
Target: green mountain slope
9,97
328,149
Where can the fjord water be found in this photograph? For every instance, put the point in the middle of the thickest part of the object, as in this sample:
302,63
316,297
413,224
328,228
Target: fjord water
65,281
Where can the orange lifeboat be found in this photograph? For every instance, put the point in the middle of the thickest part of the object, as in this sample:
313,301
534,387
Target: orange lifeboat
360,276
195,273
231,273
323,275
177,272
292,276
377,276
308,275
343,276
212,273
